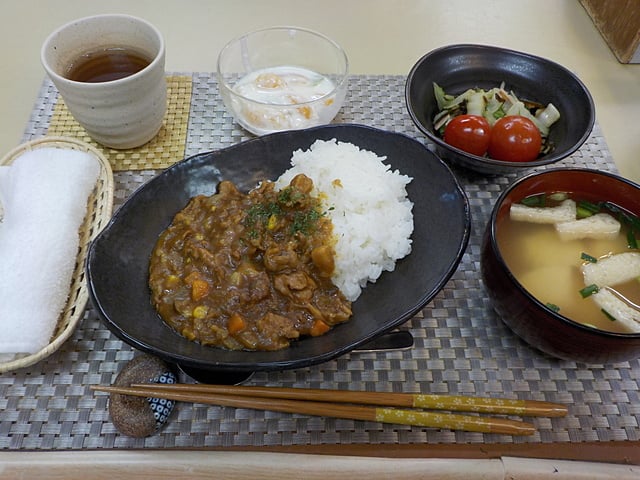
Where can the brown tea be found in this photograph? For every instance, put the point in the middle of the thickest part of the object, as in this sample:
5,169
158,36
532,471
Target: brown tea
106,64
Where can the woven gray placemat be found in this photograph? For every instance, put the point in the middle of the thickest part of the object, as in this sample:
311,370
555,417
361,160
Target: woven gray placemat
461,347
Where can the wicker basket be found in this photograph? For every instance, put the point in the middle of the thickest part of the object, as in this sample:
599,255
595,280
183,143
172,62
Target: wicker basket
99,209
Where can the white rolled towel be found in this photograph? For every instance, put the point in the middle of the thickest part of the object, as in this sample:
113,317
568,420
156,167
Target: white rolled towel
44,194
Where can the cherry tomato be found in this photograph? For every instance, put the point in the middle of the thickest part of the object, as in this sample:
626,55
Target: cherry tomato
469,133
514,139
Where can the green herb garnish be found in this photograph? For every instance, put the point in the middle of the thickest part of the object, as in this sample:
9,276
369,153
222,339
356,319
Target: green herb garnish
608,315
304,222
583,213
588,258
589,206
558,196
538,200
258,215
289,196
261,212
589,290
586,209
552,306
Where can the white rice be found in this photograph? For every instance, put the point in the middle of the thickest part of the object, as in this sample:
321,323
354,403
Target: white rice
368,205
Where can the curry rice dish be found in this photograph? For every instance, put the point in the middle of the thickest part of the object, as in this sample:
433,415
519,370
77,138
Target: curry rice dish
256,271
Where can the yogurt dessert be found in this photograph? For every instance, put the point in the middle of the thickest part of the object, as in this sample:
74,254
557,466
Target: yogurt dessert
284,98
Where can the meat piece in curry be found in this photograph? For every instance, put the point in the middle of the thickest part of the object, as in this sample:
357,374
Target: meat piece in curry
248,271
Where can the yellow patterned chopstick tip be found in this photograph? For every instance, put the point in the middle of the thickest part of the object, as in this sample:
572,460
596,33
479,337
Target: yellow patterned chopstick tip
450,421
467,404
489,405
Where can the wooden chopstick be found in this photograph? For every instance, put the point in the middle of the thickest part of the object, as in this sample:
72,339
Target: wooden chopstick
470,423
457,403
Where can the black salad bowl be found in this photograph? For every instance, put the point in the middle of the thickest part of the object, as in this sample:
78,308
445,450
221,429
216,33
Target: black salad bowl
457,68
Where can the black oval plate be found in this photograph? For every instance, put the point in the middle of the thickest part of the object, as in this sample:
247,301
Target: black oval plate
118,259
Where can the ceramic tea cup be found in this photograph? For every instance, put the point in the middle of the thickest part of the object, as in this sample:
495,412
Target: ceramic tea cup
109,70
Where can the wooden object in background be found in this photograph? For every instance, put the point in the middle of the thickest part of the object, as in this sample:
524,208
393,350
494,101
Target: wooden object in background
619,24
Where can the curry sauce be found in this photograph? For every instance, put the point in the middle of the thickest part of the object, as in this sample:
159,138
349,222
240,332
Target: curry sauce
248,271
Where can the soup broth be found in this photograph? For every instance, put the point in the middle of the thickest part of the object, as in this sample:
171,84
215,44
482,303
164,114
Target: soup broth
550,269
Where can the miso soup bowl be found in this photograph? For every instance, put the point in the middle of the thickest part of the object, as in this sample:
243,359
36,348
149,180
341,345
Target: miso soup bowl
528,317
